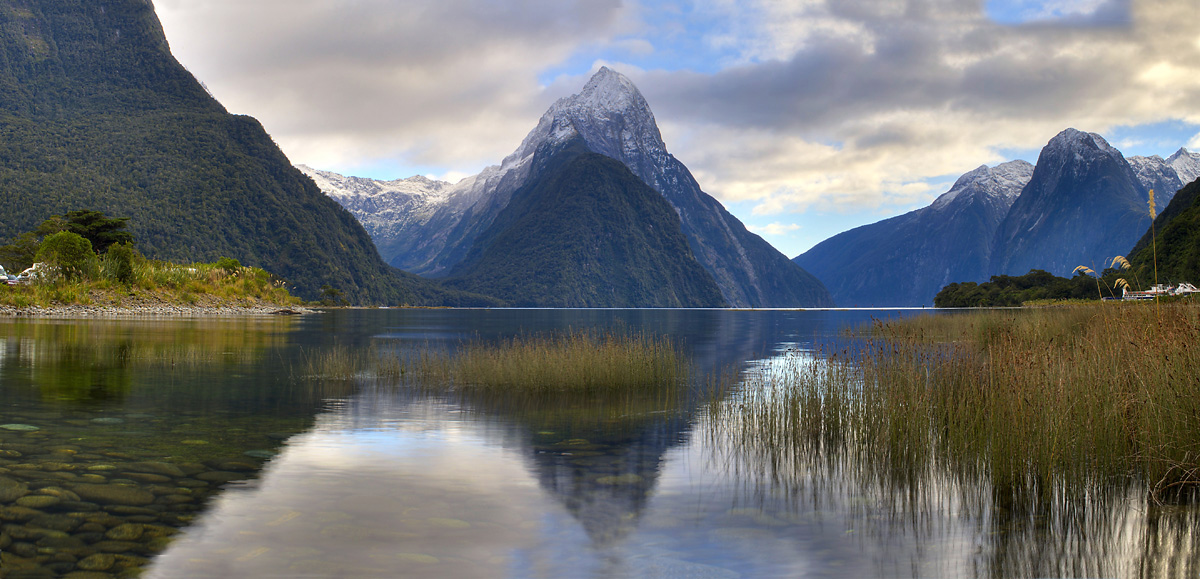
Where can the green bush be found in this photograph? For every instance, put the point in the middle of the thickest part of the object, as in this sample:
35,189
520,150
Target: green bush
119,262
70,253
229,264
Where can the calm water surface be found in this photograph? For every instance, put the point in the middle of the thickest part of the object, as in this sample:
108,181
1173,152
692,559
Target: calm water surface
214,448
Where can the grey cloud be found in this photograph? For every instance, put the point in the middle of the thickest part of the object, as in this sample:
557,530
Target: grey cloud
1039,72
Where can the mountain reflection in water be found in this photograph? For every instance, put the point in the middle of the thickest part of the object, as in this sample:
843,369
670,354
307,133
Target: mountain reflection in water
265,470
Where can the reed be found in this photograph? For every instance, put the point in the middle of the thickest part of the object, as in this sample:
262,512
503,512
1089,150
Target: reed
1037,404
571,362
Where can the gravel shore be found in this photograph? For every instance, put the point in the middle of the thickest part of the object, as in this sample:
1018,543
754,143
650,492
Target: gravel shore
157,310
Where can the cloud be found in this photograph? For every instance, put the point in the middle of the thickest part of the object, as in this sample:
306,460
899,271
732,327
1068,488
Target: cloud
775,229
835,105
434,82
905,91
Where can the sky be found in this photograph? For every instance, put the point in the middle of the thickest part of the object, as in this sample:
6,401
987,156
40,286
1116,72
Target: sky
805,118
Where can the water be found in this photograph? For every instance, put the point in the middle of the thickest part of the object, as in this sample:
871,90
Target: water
208,448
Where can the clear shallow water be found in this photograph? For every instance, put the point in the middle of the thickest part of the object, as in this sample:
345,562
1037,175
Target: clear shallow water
206,448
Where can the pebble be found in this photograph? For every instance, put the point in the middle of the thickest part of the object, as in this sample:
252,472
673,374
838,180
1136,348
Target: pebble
113,494
20,427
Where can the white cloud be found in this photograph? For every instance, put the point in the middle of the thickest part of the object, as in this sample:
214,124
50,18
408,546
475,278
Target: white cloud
776,229
836,105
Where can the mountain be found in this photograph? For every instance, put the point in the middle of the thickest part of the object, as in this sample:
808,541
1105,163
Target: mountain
95,113
1084,204
610,117
906,260
1176,239
585,232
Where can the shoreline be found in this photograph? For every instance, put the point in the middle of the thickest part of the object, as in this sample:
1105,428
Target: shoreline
155,310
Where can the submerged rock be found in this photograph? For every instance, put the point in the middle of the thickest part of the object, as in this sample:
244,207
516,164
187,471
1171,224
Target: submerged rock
11,490
113,494
19,427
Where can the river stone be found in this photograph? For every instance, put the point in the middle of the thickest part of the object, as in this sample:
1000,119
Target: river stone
5,541
19,427
17,514
100,561
263,454
146,477
78,507
152,467
113,494
220,476
59,492
23,549
10,454
38,501
11,490
61,523
90,527
174,499
115,546
68,543
236,466
108,420
88,575
128,510
125,532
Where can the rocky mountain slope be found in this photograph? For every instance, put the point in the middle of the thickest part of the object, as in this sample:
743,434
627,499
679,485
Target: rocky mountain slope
1084,204
610,117
906,260
586,232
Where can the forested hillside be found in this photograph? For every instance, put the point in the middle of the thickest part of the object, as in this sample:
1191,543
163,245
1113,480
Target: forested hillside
96,113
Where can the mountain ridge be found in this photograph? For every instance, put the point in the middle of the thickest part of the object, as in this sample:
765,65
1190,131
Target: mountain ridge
613,119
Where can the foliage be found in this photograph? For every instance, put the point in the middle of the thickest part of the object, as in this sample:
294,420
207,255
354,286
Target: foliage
1176,241
69,253
1047,407
152,282
1011,291
19,255
119,262
102,116
575,361
229,264
101,231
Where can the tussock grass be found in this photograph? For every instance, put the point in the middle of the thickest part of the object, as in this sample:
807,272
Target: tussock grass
571,362
1038,404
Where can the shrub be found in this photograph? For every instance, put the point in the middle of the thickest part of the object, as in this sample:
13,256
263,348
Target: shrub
119,262
229,264
70,253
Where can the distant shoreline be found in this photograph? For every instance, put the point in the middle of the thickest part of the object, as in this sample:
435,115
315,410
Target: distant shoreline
157,311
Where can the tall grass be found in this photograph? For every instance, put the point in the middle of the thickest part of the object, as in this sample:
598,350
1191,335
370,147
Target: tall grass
570,362
1039,405
157,281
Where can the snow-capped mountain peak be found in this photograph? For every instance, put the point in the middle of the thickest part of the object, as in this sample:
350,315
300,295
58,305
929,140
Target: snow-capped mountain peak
1080,145
1186,164
1002,182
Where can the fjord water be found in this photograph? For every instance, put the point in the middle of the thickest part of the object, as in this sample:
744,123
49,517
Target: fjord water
216,448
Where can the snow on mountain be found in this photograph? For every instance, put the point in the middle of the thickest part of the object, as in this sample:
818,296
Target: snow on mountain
1186,165
609,116
1156,174
1002,182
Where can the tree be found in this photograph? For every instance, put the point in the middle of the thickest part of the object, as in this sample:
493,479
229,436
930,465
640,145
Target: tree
70,253
20,254
93,226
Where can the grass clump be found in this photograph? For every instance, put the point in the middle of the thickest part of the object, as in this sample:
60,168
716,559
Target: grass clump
1036,404
573,362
